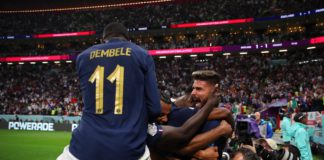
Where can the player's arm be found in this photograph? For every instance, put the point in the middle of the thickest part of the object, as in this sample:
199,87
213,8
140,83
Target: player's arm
183,101
152,96
222,114
174,138
202,140
210,153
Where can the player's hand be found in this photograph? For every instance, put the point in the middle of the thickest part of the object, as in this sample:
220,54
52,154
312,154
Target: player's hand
215,97
226,127
210,153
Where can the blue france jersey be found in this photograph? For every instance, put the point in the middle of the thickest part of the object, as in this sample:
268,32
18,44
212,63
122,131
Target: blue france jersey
178,116
120,95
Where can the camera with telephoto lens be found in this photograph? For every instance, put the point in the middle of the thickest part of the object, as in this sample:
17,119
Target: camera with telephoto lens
265,154
291,153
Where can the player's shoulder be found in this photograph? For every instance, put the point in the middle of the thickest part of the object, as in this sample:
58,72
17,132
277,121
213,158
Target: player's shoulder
181,112
179,108
301,130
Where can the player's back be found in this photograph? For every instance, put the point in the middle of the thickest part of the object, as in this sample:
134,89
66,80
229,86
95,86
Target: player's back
118,86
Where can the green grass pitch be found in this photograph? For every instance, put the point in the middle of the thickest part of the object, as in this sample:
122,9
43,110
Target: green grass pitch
38,145
32,145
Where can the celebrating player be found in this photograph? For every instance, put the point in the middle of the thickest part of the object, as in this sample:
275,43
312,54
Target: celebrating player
119,90
211,134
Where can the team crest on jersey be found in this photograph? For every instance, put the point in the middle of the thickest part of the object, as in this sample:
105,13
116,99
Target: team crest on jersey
152,129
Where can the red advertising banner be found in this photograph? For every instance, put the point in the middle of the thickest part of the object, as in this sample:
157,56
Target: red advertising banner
317,40
35,58
212,23
185,51
52,35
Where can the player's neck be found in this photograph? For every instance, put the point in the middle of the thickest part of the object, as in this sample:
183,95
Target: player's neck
115,38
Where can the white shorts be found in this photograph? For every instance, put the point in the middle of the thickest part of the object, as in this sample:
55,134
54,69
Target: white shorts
146,155
66,155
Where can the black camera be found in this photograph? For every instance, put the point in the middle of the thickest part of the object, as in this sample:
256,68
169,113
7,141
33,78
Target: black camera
265,154
291,153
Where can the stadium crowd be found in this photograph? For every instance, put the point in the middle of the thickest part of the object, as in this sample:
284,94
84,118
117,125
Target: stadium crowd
254,81
39,90
155,15
249,82
150,42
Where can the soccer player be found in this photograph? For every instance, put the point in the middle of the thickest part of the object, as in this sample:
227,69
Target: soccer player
120,95
165,139
204,84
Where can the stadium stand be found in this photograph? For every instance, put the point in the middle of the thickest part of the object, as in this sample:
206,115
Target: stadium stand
254,80
254,83
170,41
50,90
151,15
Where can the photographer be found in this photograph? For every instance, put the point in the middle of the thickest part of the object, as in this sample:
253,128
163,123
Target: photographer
300,136
285,124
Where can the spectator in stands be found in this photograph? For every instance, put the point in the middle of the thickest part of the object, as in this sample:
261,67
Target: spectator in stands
154,15
251,81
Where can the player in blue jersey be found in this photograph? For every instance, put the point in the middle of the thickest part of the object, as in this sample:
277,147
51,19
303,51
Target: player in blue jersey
212,133
176,116
165,139
120,95
204,83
